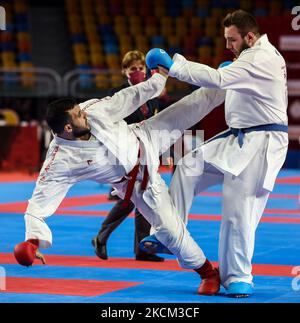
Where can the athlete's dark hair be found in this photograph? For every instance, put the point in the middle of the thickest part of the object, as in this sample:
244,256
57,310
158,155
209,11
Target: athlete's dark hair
57,114
243,21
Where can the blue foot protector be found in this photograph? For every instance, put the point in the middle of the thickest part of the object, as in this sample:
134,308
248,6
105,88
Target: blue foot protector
152,245
239,290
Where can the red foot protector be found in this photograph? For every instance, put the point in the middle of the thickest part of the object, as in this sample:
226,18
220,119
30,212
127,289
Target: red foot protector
25,252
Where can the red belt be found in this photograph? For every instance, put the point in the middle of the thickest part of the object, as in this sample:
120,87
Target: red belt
132,179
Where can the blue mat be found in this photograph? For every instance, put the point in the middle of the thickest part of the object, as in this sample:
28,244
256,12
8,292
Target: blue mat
276,243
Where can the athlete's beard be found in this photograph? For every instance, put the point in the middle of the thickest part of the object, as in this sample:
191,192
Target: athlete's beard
79,132
243,46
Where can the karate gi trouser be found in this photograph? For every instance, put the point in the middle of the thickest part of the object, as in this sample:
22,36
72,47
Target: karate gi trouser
244,200
168,226
157,135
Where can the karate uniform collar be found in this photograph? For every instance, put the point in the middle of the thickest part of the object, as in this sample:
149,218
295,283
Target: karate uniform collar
77,143
263,40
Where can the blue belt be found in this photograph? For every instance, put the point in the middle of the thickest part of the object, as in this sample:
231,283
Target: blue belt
240,133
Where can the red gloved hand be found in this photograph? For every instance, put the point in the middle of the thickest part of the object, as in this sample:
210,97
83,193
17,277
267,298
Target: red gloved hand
137,77
27,251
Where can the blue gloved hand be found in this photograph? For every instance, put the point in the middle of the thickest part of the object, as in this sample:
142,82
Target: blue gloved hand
226,63
158,57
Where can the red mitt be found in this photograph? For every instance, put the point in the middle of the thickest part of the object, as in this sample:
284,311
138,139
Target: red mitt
25,252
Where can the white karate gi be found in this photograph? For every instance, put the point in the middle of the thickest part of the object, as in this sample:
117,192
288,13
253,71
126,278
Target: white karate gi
256,95
112,153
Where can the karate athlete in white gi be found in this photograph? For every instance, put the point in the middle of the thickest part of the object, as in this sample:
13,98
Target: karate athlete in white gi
92,142
248,156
